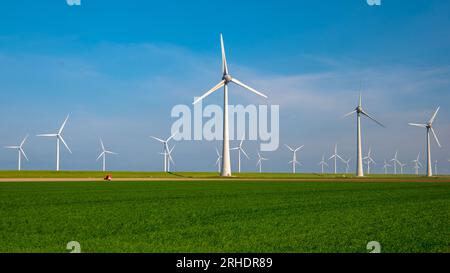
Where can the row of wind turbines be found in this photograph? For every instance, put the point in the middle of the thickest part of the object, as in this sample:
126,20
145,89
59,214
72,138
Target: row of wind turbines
59,138
224,158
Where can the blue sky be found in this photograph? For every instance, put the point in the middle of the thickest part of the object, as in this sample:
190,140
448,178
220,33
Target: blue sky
118,67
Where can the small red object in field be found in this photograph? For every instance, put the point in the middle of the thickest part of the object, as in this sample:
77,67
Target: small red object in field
108,177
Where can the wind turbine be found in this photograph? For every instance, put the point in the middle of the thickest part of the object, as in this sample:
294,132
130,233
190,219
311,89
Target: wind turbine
402,166
103,154
20,151
435,167
360,111
336,156
169,157
395,162
386,166
369,160
226,79
347,165
260,161
59,138
165,149
240,149
323,163
417,164
429,127
294,156
219,158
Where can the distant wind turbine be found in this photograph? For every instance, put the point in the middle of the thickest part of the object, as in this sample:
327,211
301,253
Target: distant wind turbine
360,111
103,154
386,166
218,161
435,167
294,161
165,151
226,79
417,164
59,138
323,163
260,161
347,165
20,151
395,161
429,127
335,156
402,165
369,160
240,149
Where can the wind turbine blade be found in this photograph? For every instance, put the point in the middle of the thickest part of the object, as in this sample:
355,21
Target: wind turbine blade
101,143
219,85
11,147
360,99
340,158
351,113
47,135
240,143
23,141
172,136
242,150
376,121
417,125
287,146
63,125
217,152
333,156
23,153
299,148
158,139
65,144
435,137
111,153
434,115
100,156
217,161
224,57
236,81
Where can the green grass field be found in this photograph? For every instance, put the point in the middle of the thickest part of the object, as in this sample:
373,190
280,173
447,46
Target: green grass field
224,216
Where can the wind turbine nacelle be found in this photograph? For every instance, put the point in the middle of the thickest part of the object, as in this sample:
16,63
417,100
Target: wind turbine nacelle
227,78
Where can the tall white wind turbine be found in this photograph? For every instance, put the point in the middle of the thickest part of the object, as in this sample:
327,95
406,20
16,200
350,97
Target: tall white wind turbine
294,161
386,166
369,160
165,151
240,149
103,154
59,138
260,161
360,111
219,159
417,164
335,156
20,151
226,79
323,163
429,127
